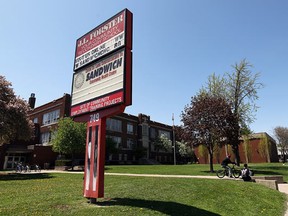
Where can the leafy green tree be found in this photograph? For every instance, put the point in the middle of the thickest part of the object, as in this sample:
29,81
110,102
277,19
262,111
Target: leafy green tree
240,88
209,121
163,143
14,121
69,137
184,146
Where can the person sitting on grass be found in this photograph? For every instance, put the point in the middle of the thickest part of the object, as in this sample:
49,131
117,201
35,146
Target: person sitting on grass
246,173
225,163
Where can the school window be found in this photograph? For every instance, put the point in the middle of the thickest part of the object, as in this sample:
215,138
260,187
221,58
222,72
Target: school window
129,128
51,117
125,157
130,143
152,133
167,134
117,140
114,125
145,130
45,138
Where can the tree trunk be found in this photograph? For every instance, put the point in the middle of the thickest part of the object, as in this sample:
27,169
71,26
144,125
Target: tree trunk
72,161
211,161
235,149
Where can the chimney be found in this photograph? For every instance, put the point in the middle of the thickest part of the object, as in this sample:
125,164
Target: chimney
32,100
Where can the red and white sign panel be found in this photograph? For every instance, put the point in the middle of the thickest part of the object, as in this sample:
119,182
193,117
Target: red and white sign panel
104,39
101,84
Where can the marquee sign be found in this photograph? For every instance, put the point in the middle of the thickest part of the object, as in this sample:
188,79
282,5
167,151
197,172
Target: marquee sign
104,39
101,87
102,84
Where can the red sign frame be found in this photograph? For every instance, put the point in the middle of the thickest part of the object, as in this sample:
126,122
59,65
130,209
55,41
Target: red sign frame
106,38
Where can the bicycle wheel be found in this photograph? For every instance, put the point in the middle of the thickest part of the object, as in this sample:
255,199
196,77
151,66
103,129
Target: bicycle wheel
220,173
236,172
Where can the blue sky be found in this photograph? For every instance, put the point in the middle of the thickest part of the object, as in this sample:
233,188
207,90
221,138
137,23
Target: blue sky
176,46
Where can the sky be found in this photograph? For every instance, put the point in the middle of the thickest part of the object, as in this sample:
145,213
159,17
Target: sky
177,45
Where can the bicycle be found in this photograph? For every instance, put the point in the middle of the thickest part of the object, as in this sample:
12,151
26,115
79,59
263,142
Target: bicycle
26,168
225,172
37,168
18,167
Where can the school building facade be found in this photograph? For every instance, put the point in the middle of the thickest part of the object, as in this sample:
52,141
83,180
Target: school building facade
134,137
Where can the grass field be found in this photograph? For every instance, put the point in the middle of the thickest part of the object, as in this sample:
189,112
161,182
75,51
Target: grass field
61,194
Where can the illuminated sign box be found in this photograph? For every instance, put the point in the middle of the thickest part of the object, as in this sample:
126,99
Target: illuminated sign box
104,39
102,84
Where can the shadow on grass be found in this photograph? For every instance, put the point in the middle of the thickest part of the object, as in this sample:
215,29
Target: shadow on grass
165,207
23,176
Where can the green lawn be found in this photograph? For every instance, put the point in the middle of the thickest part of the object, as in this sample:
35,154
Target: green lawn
61,194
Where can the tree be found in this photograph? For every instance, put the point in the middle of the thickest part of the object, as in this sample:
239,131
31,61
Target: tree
14,121
281,134
69,137
240,88
184,148
209,121
162,143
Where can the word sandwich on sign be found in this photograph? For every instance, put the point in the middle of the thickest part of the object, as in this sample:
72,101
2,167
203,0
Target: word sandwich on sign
90,90
103,71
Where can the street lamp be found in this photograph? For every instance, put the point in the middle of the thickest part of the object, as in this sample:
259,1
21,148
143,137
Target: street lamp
174,143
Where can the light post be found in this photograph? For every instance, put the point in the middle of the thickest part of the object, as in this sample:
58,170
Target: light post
174,143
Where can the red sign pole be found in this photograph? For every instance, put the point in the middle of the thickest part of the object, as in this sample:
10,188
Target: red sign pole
95,153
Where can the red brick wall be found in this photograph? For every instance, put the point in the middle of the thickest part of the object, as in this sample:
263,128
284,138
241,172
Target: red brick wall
256,156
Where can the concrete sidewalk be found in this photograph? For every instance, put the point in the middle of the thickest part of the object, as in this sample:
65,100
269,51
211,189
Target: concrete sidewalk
284,189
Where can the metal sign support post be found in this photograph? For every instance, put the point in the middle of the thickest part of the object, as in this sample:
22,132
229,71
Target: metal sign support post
95,159
95,153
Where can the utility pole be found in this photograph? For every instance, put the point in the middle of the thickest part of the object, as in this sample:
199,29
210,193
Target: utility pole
174,143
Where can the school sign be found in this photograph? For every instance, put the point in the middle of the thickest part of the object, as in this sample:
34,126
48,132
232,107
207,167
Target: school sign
101,87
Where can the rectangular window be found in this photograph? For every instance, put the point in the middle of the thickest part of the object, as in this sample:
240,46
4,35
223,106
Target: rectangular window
129,128
117,140
114,125
45,138
165,133
130,143
35,120
125,157
152,133
145,130
51,117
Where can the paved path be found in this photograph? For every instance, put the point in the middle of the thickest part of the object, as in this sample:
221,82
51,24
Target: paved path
284,189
